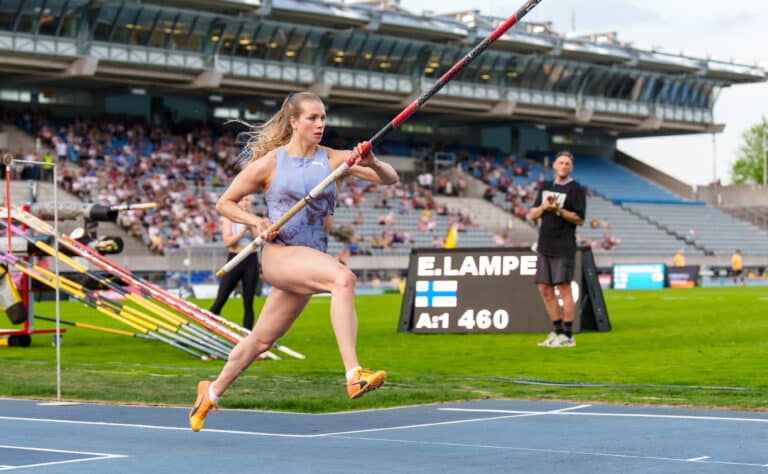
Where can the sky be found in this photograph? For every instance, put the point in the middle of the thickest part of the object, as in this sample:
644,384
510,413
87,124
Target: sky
726,30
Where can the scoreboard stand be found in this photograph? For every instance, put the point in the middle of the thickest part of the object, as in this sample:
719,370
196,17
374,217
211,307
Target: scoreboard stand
490,290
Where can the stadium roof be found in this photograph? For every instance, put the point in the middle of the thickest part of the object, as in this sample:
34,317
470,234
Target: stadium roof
353,53
386,16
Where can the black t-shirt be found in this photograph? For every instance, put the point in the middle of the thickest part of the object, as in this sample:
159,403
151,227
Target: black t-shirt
557,236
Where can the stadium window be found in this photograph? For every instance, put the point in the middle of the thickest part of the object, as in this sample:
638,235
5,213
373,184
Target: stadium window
122,29
143,26
226,113
351,50
105,22
714,94
8,12
598,79
382,54
493,68
649,90
566,77
337,51
294,44
662,91
512,70
223,35
245,45
396,55
14,95
50,17
162,29
26,21
673,95
412,59
365,55
637,88
71,16
277,43
433,63
703,96
311,47
580,77
213,35
531,70
188,32
618,85
263,40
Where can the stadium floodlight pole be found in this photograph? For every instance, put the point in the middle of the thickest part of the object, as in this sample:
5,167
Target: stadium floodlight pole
400,118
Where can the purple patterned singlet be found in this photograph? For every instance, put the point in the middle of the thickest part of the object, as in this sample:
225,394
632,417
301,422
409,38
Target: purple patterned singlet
293,179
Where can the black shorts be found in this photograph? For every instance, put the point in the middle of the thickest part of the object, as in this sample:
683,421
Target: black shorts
554,270
737,273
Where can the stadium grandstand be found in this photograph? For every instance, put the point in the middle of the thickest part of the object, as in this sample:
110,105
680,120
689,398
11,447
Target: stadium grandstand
136,99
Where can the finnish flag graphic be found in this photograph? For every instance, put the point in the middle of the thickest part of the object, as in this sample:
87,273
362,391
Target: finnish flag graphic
436,294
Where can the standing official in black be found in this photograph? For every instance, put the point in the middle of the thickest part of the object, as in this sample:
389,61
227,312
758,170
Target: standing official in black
561,206
236,237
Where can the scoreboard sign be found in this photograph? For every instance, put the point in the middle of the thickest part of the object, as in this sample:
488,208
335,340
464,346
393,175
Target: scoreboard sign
475,290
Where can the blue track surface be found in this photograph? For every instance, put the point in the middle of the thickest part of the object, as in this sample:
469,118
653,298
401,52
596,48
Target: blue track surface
499,436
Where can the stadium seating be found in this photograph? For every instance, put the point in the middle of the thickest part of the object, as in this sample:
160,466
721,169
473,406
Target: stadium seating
757,215
618,184
714,230
638,237
406,221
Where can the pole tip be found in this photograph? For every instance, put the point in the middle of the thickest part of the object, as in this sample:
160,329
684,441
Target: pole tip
220,273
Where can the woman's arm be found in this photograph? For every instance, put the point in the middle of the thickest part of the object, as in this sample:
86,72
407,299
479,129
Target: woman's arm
256,175
366,167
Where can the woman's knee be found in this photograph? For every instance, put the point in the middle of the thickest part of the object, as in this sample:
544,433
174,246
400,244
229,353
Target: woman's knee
256,343
345,280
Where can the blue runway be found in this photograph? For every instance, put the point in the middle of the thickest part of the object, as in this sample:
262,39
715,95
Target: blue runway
500,436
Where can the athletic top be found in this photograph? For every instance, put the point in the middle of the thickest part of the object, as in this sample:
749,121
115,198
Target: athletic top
557,237
293,179
245,240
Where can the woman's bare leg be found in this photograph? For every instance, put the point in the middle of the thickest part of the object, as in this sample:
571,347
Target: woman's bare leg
280,311
306,271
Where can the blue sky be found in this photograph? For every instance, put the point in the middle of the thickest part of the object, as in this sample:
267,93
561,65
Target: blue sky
727,30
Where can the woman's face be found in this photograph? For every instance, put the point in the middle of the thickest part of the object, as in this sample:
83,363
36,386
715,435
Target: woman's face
310,123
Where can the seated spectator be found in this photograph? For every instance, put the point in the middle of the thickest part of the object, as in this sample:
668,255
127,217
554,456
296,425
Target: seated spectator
609,242
387,220
488,194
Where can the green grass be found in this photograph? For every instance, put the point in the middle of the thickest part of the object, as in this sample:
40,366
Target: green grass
699,347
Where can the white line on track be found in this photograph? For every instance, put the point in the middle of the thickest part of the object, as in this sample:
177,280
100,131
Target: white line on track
503,415
701,458
277,435
554,451
617,415
93,457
